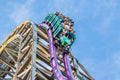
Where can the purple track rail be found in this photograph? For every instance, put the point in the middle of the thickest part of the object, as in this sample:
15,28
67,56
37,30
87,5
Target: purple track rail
53,58
68,70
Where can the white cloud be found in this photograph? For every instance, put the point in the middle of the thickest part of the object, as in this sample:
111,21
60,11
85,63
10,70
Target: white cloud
21,12
107,10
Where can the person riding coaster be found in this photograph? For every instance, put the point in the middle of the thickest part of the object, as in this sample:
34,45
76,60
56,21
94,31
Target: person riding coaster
62,29
65,39
62,43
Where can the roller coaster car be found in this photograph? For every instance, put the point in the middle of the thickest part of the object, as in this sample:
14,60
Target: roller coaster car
63,42
59,41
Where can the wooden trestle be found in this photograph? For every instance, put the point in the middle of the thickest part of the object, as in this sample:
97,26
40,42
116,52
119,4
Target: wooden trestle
25,55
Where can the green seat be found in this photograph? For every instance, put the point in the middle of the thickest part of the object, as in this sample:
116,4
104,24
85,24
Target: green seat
52,19
57,18
50,16
65,41
57,24
58,31
47,17
54,22
59,27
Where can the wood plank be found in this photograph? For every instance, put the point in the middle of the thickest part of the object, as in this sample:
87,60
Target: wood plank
7,63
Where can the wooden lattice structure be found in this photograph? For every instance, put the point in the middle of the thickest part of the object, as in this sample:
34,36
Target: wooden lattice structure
25,55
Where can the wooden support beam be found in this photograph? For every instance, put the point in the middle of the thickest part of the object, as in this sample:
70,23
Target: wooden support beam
43,73
7,63
43,55
43,50
10,75
40,76
43,66
7,42
10,56
22,27
26,41
84,75
27,70
24,49
43,45
25,54
42,33
14,54
6,71
24,35
27,61
13,50
81,66
27,74
42,37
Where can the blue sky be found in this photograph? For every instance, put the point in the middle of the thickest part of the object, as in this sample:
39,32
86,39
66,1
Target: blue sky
97,25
